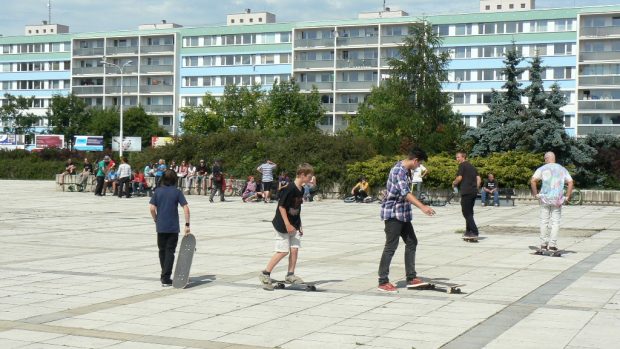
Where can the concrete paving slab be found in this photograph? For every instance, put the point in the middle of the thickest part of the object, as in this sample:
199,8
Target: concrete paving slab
82,271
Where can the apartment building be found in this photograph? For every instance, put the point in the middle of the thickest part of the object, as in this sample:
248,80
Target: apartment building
173,66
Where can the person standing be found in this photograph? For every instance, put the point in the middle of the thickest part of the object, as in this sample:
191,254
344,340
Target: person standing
164,210
266,170
124,178
202,172
418,177
468,182
217,171
551,198
490,187
289,230
103,167
397,217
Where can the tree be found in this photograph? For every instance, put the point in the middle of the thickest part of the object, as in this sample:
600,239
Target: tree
502,128
68,116
104,122
202,119
285,107
410,106
16,118
137,123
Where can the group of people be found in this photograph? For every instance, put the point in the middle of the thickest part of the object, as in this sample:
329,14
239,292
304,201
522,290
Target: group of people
396,212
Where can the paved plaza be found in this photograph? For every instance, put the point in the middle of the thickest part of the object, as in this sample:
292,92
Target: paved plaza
80,271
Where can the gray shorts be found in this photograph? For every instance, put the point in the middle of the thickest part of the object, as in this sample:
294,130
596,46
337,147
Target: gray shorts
284,242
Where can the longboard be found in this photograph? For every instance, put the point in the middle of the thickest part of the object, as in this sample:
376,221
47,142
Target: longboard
540,252
282,285
470,239
184,261
439,286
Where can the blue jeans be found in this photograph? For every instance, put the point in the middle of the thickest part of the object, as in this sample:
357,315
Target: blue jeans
484,194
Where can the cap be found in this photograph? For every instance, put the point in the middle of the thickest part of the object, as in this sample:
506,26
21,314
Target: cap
106,158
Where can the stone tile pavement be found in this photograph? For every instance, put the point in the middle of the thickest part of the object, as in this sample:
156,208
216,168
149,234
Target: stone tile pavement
80,271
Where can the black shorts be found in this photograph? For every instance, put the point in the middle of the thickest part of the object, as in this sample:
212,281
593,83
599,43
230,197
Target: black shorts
267,186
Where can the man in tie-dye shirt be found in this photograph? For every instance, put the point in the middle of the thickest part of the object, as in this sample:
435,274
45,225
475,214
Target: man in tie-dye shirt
551,197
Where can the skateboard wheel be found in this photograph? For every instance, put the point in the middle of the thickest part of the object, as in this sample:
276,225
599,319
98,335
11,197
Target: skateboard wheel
280,286
311,288
457,290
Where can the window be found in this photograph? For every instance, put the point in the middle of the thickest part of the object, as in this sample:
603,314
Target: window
538,26
562,25
560,73
540,50
285,58
522,5
166,120
285,37
191,81
615,21
483,98
487,7
443,29
563,49
462,52
191,61
462,29
488,28
514,27
511,6
487,74
462,75
459,98
567,120
499,7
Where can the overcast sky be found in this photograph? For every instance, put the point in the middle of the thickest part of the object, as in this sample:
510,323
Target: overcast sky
108,15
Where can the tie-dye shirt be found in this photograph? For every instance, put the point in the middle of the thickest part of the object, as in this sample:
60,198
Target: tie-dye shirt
553,177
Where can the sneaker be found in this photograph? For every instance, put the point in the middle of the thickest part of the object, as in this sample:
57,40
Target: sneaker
543,247
265,279
416,283
387,287
293,279
166,283
552,249
496,205
483,204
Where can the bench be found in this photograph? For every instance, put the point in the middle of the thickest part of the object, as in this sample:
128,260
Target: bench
69,182
506,197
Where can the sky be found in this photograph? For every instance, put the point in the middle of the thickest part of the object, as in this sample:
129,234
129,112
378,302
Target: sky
109,15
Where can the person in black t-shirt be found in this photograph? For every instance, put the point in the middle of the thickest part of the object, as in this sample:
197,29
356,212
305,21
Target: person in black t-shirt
468,181
490,187
287,223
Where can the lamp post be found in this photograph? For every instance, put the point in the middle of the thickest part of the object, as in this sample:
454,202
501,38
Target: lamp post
121,69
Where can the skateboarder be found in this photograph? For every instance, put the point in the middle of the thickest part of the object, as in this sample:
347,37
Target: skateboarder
397,216
551,197
164,210
469,181
287,223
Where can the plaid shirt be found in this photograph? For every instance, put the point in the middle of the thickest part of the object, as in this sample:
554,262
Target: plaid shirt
395,204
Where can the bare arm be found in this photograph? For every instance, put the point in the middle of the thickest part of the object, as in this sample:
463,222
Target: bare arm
414,201
153,210
569,190
478,182
186,214
457,180
533,187
289,227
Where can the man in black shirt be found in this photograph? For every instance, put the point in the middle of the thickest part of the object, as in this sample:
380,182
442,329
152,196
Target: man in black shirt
490,187
468,181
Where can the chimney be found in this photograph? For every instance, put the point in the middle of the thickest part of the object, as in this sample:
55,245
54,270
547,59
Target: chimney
44,22
247,10
163,21
387,9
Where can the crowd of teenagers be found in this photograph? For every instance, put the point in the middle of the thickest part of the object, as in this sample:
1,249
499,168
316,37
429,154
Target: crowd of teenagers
396,208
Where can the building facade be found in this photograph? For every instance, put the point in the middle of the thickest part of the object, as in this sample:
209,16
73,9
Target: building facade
173,67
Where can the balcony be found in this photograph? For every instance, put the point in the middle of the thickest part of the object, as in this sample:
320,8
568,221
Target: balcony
329,42
129,50
157,49
599,56
117,89
158,109
610,81
346,107
363,41
314,64
307,86
87,90
145,69
599,105
355,85
393,39
357,63
599,31
156,88
93,51
88,70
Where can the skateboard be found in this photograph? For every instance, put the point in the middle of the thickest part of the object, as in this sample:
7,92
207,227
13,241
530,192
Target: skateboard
440,286
184,261
539,252
470,239
282,285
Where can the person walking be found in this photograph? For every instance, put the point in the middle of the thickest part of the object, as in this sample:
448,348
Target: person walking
266,170
397,217
164,210
289,230
551,198
217,171
468,182
418,177
103,167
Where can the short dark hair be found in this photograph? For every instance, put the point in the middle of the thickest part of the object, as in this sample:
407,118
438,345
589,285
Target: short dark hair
417,153
170,178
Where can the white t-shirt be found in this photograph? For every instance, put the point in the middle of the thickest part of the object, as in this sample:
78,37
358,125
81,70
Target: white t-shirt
553,177
417,174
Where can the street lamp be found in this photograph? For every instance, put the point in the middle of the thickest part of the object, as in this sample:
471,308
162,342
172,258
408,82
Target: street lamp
120,68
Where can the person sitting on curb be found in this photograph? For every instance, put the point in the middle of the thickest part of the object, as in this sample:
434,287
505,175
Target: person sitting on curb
69,170
250,193
360,190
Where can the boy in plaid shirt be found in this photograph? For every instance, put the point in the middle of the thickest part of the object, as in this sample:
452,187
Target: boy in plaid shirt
397,216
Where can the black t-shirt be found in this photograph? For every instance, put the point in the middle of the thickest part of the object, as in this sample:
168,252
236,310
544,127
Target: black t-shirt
202,169
217,172
291,199
167,200
490,184
469,184
88,168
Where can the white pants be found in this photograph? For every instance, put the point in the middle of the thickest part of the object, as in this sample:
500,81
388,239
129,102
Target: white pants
550,224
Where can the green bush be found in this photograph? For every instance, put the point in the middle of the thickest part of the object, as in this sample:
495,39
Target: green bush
512,169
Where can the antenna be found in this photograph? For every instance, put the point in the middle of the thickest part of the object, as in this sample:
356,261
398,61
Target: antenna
383,5
49,11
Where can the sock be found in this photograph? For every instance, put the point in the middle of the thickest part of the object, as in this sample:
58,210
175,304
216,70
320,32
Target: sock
290,273
265,272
